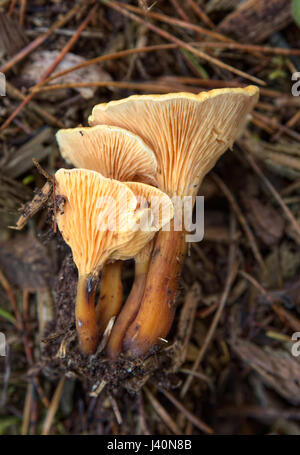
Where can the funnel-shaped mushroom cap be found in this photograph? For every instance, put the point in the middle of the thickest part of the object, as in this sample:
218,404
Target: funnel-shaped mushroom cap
114,152
187,132
97,217
156,210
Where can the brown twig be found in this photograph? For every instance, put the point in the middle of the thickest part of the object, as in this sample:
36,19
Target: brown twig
49,118
39,40
112,56
42,170
257,285
22,12
142,417
27,409
32,207
180,10
178,41
69,45
144,86
52,67
187,80
250,48
12,7
162,413
289,124
208,83
191,417
28,346
184,16
201,14
283,314
116,410
172,21
286,317
277,126
53,407
235,207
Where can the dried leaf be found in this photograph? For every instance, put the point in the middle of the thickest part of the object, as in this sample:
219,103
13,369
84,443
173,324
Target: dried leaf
12,37
255,20
26,262
39,146
38,61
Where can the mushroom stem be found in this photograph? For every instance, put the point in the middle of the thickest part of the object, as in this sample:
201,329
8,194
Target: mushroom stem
131,307
85,314
111,295
157,309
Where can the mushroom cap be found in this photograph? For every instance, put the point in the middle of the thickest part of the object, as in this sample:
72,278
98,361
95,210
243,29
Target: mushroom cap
114,152
187,132
97,216
156,210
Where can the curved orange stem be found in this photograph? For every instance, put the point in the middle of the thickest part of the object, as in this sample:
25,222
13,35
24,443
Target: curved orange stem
129,312
86,323
111,295
157,309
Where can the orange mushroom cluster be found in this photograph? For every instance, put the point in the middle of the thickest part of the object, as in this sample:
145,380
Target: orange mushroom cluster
138,154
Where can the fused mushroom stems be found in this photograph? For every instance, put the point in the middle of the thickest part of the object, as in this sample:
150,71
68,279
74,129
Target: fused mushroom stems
162,211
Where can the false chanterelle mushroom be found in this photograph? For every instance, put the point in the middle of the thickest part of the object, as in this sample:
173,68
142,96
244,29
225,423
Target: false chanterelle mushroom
103,220
97,218
115,153
187,133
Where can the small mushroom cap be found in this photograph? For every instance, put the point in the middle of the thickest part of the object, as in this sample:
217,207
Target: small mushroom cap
156,210
97,216
161,206
114,152
187,132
